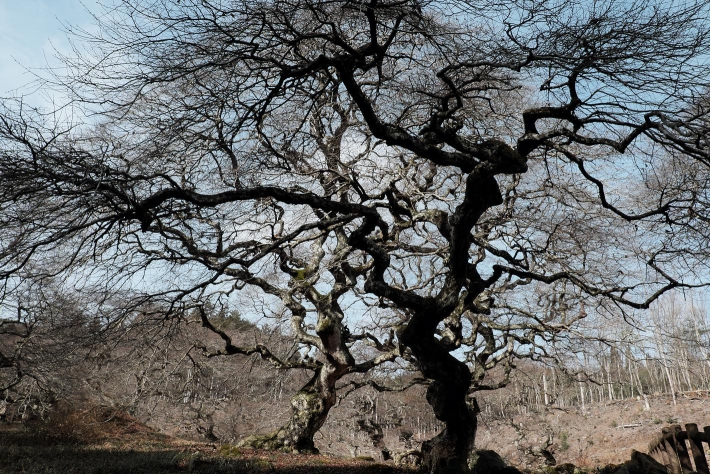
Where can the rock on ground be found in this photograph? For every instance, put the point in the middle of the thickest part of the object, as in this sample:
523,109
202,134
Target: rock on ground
641,463
490,462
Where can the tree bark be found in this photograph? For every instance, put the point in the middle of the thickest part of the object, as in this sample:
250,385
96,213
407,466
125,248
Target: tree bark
312,403
310,407
450,450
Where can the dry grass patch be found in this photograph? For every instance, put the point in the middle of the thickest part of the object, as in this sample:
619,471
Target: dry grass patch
101,441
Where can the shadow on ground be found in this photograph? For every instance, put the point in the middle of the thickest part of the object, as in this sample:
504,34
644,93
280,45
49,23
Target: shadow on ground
22,451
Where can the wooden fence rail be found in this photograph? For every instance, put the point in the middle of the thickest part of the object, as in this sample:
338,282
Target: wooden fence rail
671,450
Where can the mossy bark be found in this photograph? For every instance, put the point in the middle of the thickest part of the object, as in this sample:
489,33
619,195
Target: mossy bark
312,403
310,407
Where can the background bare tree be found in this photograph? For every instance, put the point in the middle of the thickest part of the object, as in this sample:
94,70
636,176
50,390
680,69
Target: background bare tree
45,337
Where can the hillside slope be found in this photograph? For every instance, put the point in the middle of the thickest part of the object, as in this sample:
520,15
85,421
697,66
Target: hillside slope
601,434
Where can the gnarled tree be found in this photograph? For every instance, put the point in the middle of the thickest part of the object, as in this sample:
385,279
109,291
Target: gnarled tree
507,168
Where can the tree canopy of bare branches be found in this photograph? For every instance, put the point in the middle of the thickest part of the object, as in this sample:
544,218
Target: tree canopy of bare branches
482,178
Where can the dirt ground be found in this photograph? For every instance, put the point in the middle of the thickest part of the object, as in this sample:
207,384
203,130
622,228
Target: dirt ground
122,445
602,434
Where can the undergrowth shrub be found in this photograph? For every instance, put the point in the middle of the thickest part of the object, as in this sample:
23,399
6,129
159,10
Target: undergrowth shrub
66,423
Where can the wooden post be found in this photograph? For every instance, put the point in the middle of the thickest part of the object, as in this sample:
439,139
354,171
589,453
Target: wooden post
656,451
706,431
681,450
696,446
665,456
669,445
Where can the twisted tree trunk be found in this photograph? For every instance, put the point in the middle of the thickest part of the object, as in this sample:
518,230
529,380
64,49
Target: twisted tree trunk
310,407
449,452
312,403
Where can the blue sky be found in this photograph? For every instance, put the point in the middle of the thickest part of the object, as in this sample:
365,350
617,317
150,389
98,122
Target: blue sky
30,31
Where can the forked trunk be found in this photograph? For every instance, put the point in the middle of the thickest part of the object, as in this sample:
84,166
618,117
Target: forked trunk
310,407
